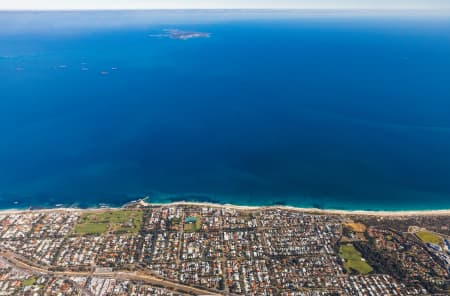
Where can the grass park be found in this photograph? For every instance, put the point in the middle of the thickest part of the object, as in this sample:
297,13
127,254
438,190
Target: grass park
353,260
429,237
193,223
116,221
29,282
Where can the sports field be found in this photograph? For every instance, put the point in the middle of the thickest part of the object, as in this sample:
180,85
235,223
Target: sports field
353,260
116,221
429,237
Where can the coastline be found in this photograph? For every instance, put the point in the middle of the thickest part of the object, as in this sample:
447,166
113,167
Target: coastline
141,202
443,212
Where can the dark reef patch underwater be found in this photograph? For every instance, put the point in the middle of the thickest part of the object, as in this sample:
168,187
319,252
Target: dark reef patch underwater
306,109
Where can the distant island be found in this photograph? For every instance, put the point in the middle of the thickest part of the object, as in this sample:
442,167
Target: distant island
181,35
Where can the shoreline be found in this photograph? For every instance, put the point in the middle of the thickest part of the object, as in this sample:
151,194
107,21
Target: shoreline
142,202
443,212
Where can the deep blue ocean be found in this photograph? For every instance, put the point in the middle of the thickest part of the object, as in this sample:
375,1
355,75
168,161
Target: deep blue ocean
329,110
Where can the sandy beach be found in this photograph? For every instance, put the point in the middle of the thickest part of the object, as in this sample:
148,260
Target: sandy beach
444,212
315,210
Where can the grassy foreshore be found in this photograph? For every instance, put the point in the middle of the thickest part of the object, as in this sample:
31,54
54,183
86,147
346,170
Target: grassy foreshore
443,212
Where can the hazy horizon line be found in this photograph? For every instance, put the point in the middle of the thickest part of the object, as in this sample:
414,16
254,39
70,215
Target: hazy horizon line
230,9
261,10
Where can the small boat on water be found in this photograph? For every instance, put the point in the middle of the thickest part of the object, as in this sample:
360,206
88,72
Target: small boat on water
58,205
16,202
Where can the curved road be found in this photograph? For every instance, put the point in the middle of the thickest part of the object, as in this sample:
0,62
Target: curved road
137,276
